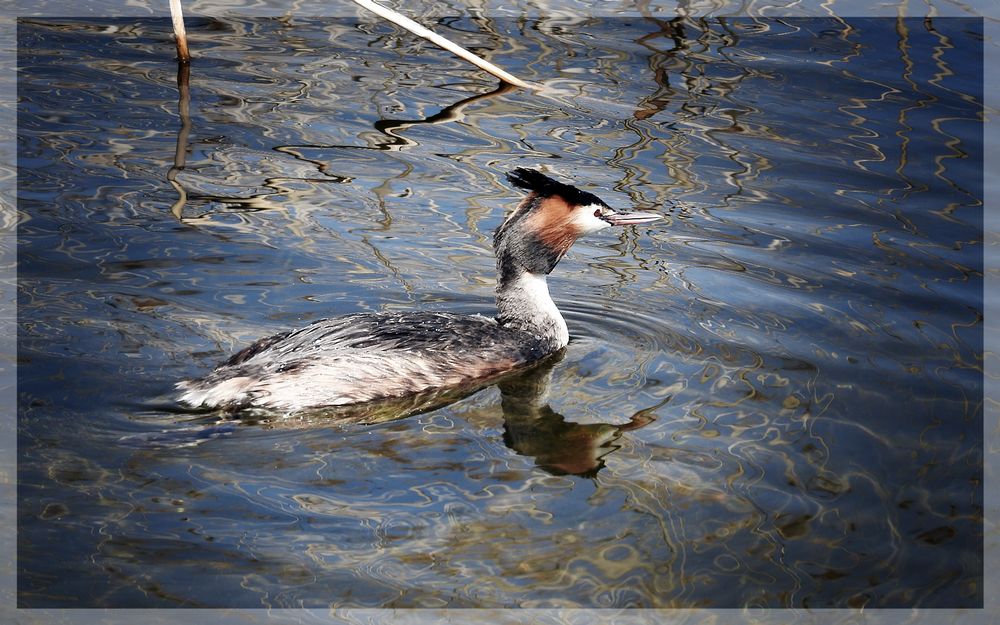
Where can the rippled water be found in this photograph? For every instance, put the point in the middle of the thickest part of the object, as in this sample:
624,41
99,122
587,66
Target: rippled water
772,398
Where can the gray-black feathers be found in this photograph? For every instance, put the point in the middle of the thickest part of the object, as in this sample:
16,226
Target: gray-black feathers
539,183
364,357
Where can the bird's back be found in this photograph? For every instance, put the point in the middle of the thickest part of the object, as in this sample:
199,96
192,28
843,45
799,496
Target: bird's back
364,357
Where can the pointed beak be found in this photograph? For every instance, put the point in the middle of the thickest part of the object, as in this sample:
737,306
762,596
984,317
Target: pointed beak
628,219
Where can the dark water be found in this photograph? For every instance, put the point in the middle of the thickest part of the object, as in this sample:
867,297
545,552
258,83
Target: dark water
772,398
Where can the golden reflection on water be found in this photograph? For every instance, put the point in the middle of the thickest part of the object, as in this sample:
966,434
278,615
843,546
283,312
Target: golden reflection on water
771,399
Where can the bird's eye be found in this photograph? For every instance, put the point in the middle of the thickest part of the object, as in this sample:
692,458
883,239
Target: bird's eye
597,213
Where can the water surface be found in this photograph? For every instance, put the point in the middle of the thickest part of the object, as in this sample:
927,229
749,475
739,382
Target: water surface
773,397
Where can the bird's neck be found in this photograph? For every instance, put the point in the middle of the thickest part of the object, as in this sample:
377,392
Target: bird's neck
524,303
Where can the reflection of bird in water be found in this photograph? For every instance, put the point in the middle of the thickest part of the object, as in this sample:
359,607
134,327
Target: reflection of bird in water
532,428
375,356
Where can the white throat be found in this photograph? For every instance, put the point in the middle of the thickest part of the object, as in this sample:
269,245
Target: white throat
524,303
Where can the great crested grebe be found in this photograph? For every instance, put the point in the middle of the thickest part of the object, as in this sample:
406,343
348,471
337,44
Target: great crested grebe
373,356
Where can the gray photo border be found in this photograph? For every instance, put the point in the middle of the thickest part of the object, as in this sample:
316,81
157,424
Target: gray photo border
11,11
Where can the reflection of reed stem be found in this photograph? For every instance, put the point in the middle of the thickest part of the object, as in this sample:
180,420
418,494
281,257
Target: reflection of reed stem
180,35
438,40
450,113
180,153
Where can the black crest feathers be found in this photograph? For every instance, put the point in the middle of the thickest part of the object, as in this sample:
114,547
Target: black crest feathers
537,182
531,180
